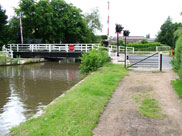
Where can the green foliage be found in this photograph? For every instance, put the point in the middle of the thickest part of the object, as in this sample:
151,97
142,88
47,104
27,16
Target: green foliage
93,21
121,43
166,34
150,108
177,59
178,33
92,60
78,111
3,58
177,85
148,36
14,61
52,21
3,27
32,61
145,46
148,105
144,41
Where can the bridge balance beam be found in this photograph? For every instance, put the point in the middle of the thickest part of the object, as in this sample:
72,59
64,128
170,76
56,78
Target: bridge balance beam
47,54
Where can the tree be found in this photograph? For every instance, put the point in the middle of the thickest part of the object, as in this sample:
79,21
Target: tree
52,21
93,20
14,30
3,27
177,59
166,34
178,33
143,41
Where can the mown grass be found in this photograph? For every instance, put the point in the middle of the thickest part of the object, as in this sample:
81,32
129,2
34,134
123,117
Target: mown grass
149,106
78,111
2,58
177,85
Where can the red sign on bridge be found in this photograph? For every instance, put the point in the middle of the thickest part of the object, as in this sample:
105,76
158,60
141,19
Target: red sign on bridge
71,47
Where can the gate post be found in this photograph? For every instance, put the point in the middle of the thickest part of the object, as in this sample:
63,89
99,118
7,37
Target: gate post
117,44
161,62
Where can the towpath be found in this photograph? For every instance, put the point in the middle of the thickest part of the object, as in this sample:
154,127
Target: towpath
121,116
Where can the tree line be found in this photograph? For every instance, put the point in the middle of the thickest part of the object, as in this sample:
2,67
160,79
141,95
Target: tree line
169,32
52,21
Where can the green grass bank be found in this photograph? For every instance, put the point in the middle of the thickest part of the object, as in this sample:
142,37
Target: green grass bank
177,85
78,111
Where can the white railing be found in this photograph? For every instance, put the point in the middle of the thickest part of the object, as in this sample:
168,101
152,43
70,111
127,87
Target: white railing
163,48
8,52
122,49
50,47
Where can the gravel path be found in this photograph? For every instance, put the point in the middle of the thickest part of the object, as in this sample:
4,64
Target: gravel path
121,118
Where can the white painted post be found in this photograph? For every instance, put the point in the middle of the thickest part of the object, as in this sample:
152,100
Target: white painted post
10,47
49,48
86,48
11,54
66,48
92,46
133,50
17,47
32,48
81,47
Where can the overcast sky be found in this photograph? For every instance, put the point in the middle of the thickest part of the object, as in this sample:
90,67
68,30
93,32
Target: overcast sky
140,17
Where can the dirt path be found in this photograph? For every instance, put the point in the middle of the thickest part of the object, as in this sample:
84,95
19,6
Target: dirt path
121,118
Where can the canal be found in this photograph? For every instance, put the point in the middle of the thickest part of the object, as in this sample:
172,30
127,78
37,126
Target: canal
27,89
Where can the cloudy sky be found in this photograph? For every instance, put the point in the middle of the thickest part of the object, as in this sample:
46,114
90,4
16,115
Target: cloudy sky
140,17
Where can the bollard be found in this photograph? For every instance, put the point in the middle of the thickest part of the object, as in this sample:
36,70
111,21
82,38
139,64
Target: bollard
171,52
161,62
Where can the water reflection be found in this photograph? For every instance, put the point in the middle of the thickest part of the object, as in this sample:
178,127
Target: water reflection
24,90
12,112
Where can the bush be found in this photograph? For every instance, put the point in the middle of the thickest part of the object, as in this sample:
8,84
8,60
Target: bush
92,60
177,59
145,46
144,41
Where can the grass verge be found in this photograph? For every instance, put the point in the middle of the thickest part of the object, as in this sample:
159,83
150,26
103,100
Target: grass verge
78,111
149,106
177,85
2,58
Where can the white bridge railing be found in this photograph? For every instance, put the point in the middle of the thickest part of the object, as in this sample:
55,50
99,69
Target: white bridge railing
8,52
51,47
62,47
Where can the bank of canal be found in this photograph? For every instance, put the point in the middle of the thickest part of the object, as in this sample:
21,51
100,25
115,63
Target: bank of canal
77,112
27,89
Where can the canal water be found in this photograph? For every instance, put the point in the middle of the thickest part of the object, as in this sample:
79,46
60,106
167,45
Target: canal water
27,89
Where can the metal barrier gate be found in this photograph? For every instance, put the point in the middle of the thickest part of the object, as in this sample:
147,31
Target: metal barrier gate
145,60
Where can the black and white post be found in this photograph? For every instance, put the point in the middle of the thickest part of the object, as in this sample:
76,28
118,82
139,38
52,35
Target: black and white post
119,28
125,34
117,44
125,51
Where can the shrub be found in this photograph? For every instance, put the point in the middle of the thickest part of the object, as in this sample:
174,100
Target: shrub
92,60
177,59
145,46
144,41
